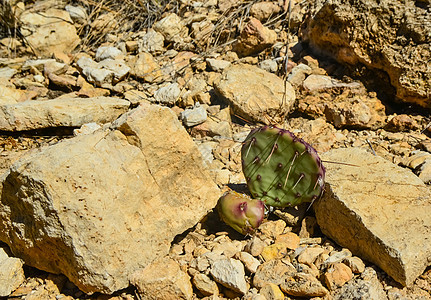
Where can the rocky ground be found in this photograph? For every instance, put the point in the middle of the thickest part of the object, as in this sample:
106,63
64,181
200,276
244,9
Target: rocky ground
95,106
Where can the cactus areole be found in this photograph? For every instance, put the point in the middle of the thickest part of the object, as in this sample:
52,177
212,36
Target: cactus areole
281,169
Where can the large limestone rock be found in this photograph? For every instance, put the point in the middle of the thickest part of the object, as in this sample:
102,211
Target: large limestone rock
382,35
72,112
50,31
377,210
100,206
254,94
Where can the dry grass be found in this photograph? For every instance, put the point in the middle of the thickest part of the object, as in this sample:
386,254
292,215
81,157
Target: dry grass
127,17
120,17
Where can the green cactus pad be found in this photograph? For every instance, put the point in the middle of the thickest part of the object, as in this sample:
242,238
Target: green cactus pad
281,169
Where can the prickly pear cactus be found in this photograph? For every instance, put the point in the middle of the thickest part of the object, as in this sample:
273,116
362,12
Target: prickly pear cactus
241,212
281,169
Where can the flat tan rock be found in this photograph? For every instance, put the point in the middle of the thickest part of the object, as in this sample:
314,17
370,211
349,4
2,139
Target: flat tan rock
70,112
377,210
100,206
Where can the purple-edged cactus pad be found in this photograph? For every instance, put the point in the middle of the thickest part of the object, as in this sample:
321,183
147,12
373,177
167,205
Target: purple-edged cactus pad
280,168
241,212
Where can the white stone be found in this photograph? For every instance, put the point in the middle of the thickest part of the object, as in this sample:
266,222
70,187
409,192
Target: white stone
77,13
230,273
104,52
168,94
217,65
107,71
194,116
171,27
87,129
152,42
314,83
7,73
269,65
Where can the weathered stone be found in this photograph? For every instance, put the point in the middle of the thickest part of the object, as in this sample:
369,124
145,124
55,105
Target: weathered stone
255,246
274,251
298,74
50,32
261,97
338,256
144,66
171,27
205,285
355,263
401,122
217,65
254,38
263,10
337,275
308,227
151,42
367,287
230,273
272,229
303,285
309,255
290,239
271,292
343,104
11,273
385,207
162,279
100,219
10,95
73,112
249,261
274,271
390,44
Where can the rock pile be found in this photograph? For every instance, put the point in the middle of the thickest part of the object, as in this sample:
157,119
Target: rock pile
112,158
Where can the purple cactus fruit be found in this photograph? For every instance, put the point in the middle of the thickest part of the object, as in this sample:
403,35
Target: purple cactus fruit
241,212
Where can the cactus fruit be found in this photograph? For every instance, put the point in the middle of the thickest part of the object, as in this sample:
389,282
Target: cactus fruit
280,168
241,212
